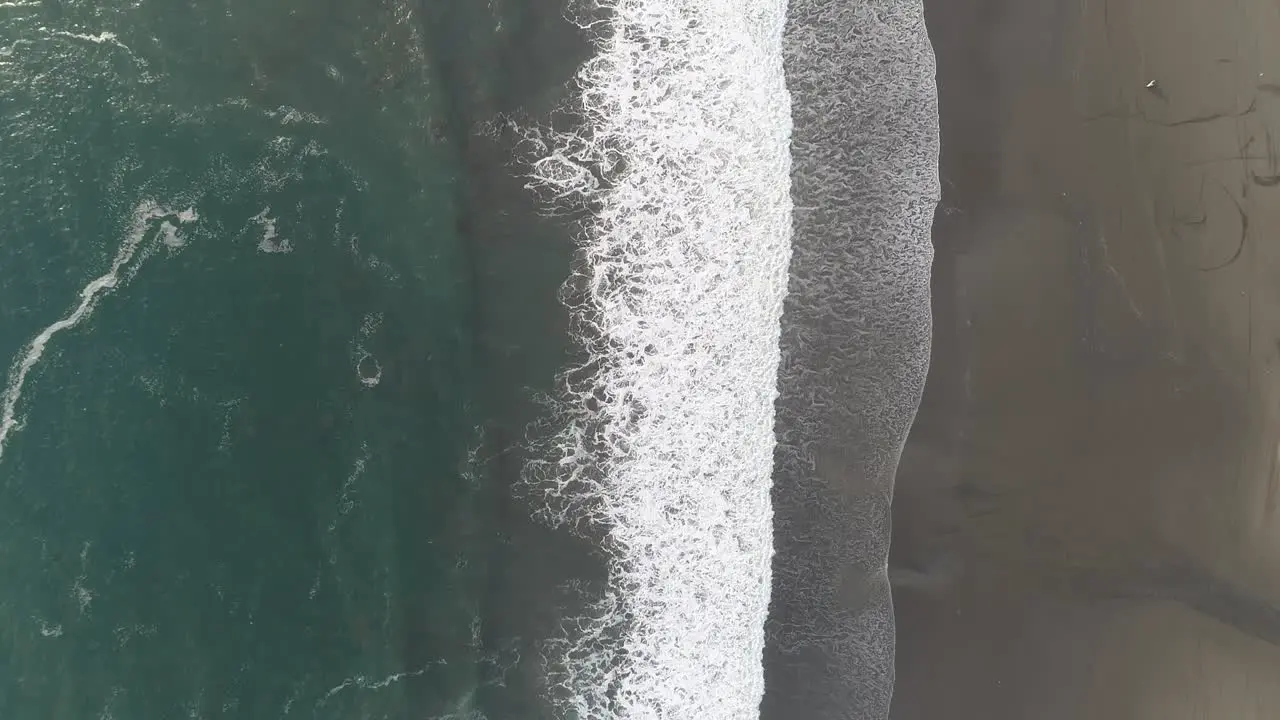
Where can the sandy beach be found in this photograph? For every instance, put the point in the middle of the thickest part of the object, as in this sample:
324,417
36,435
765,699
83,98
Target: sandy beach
1096,452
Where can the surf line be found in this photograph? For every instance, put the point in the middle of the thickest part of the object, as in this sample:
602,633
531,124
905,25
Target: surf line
89,296
665,430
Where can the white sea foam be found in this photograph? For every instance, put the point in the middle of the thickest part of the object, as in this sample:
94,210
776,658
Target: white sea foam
292,116
170,237
99,39
48,629
271,243
143,215
362,682
102,38
666,437
367,367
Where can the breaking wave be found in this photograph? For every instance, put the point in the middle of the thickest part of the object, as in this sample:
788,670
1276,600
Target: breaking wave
664,438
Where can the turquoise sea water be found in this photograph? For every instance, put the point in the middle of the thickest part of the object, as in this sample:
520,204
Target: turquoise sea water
284,305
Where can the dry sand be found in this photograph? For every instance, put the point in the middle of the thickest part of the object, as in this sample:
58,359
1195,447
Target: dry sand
1097,449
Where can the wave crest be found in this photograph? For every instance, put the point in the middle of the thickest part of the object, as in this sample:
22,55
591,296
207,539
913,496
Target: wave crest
664,441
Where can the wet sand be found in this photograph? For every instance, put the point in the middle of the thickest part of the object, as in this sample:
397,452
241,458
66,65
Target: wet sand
1095,458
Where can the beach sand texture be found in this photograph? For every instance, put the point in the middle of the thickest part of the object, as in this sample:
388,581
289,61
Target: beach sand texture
1098,445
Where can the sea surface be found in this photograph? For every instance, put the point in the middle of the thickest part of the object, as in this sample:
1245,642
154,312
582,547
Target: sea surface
389,359
275,314
400,359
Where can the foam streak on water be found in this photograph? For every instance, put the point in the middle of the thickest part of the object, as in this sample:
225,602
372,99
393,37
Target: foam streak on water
102,38
668,441
89,296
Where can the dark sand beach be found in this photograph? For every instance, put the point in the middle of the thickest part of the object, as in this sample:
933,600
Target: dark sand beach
1085,513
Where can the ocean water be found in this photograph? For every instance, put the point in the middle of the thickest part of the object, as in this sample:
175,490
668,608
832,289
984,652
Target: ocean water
245,458
393,359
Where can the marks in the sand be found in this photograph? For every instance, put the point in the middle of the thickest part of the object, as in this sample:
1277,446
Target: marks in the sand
144,216
1272,177
1203,592
1238,204
1201,119
1246,155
